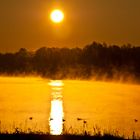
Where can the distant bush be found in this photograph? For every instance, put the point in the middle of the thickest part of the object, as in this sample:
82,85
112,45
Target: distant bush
98,61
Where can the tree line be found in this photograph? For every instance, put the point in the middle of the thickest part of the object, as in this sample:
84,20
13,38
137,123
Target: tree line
97,61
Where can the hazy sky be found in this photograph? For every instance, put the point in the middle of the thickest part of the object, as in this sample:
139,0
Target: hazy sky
26,23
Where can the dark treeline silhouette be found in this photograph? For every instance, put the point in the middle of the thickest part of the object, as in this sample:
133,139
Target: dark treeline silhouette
98,61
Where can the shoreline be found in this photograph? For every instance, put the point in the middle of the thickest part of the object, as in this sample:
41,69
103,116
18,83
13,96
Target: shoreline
57,137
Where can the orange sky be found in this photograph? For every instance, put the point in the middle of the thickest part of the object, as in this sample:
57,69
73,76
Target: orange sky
26,23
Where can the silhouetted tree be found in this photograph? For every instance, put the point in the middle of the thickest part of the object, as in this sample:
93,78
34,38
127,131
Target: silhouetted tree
94,60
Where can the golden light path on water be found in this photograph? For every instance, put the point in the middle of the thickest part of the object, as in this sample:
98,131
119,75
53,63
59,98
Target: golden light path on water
56,114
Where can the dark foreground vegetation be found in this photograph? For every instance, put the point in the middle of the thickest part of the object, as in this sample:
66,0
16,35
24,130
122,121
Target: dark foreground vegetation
96,61
60,137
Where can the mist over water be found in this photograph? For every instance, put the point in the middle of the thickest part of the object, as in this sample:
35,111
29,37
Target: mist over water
33,103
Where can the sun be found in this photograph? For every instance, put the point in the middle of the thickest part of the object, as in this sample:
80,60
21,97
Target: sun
57,16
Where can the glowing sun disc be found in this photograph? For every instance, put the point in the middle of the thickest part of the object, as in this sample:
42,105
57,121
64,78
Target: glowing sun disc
57,16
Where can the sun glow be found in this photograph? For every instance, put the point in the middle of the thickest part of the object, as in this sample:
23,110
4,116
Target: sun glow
57,16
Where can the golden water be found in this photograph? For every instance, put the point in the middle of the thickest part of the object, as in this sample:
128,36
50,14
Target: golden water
35,104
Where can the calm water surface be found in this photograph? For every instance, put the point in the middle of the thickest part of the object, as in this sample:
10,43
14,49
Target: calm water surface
39,104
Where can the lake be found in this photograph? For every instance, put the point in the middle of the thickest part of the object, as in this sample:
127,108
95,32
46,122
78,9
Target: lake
36,104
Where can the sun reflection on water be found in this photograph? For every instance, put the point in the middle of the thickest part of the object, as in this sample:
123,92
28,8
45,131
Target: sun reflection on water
56,114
